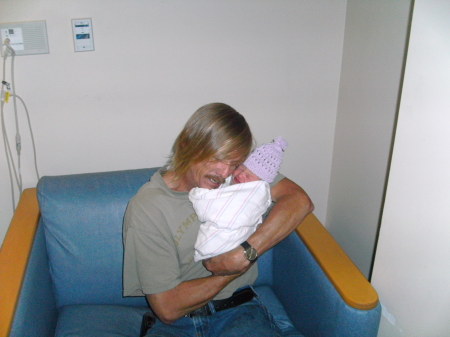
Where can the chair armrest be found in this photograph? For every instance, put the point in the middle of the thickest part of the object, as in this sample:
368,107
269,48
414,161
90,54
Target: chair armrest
14,256
348,280
323,292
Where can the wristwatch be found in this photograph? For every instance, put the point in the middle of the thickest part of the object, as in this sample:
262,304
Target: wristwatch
250,253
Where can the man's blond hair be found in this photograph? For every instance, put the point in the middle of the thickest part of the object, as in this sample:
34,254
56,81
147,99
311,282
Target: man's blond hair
215,131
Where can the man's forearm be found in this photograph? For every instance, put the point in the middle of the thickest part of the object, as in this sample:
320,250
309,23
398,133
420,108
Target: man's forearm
187,296
291,207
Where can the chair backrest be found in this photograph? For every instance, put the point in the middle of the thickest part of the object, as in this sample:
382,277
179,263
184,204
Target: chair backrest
82,216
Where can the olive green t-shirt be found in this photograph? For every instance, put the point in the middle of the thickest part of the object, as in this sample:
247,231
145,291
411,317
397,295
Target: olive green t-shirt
160,230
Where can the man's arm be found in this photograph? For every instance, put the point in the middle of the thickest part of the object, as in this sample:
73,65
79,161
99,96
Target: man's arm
187,296
292,205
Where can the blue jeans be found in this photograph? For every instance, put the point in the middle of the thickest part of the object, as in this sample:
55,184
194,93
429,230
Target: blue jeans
250,319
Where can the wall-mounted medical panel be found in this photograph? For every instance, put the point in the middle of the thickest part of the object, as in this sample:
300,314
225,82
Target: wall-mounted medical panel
26,38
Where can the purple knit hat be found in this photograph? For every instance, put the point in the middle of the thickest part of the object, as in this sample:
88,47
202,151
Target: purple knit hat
265,160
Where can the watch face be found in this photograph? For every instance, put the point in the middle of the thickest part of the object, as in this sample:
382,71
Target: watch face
251,254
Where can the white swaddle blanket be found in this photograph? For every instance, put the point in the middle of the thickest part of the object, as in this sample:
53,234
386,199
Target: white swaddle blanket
229,215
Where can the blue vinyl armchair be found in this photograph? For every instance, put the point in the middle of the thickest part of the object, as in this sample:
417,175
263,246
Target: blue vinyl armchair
61,268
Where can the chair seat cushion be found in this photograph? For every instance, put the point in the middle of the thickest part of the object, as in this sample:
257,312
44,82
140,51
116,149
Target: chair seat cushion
123,321
99,321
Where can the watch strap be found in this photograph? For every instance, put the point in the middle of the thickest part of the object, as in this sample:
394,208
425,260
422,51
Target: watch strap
246,245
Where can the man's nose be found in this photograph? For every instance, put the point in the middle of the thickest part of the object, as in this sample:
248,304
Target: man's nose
226,170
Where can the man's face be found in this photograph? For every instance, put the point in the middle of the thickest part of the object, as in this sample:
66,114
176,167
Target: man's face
210,174
243,175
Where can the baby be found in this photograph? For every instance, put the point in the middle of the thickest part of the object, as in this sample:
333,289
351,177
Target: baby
231,213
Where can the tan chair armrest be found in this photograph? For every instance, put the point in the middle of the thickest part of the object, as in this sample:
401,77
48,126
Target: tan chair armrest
14,256
342,272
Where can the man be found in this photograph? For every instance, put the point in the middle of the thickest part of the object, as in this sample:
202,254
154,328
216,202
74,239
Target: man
160,230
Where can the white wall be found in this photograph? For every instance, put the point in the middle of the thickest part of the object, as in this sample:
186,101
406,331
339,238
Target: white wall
412,266
374,47
155,62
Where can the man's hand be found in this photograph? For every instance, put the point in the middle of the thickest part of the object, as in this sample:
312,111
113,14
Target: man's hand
229,263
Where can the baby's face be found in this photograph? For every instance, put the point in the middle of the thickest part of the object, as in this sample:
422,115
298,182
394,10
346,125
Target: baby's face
243,175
